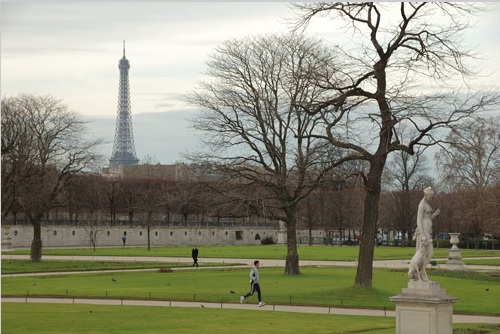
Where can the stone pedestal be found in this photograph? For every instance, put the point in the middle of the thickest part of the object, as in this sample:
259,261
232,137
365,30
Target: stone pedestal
424,308
454,254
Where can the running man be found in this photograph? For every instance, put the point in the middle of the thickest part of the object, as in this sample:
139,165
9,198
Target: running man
254,284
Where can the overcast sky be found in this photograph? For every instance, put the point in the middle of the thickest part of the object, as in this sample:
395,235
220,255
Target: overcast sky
70,50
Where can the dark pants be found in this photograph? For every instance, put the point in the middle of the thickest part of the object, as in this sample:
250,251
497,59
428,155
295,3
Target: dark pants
195,263
254,287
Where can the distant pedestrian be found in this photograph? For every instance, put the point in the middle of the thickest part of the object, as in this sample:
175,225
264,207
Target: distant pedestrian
194,255
124,238
254,284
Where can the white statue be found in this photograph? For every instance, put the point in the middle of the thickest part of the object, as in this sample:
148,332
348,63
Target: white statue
423,236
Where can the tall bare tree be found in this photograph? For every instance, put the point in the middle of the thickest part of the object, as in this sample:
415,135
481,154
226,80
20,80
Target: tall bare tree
399,65
45,146
150,199
253,129
470,156
470,163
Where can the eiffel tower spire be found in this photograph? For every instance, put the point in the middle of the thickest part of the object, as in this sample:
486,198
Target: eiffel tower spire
123,147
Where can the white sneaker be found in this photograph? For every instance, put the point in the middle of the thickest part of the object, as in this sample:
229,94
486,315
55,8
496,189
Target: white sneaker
261,304
242,299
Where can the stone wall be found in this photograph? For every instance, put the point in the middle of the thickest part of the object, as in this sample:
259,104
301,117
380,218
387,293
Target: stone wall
79,236
20,236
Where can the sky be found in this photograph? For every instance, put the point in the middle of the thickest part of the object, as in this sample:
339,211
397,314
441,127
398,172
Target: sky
70,50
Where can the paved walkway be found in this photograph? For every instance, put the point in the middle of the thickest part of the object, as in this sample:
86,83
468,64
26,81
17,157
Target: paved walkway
205,264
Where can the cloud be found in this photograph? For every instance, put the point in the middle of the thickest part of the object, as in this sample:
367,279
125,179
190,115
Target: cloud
70,50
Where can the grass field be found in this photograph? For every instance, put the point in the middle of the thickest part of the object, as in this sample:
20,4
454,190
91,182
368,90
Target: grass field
329,253
84,319
483,262
330,286
315,286
25,266
98,319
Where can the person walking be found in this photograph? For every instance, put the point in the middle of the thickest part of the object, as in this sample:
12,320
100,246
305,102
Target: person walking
254,284
194,255
124,238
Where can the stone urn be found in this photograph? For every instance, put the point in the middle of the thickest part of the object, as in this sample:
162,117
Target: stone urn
454,240
454,254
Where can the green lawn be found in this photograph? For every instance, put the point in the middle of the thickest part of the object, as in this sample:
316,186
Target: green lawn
98,319
331,253
483,262
315,286
84,319
26,266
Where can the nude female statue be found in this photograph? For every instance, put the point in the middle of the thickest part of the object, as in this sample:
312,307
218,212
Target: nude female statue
423,235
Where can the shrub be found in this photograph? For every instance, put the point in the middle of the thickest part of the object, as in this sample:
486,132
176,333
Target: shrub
268,241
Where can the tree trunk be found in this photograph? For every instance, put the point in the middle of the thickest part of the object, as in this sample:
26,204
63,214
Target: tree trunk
292,256
149,230
310,234
369,232
36,244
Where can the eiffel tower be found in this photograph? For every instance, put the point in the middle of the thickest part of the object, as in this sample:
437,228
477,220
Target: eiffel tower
123,147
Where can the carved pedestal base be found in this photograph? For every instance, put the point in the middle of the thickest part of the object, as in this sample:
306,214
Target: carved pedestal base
424,308
454,254
455,260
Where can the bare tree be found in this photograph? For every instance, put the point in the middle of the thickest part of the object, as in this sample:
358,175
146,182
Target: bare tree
403,175
112,189
470,156
17,145
128,197
44,150
86,198
87,193
469,162
92,230
310,212
399,212
150,200
253,128
395,67
493,223
405,172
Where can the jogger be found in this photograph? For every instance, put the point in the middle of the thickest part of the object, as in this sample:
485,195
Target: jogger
254,284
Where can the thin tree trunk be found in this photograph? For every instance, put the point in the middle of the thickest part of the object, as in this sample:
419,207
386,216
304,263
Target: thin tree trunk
149,230
310,235
36,244
292,256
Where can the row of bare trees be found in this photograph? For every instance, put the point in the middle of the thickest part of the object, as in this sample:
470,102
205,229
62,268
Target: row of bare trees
152,201
468,174
92,200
